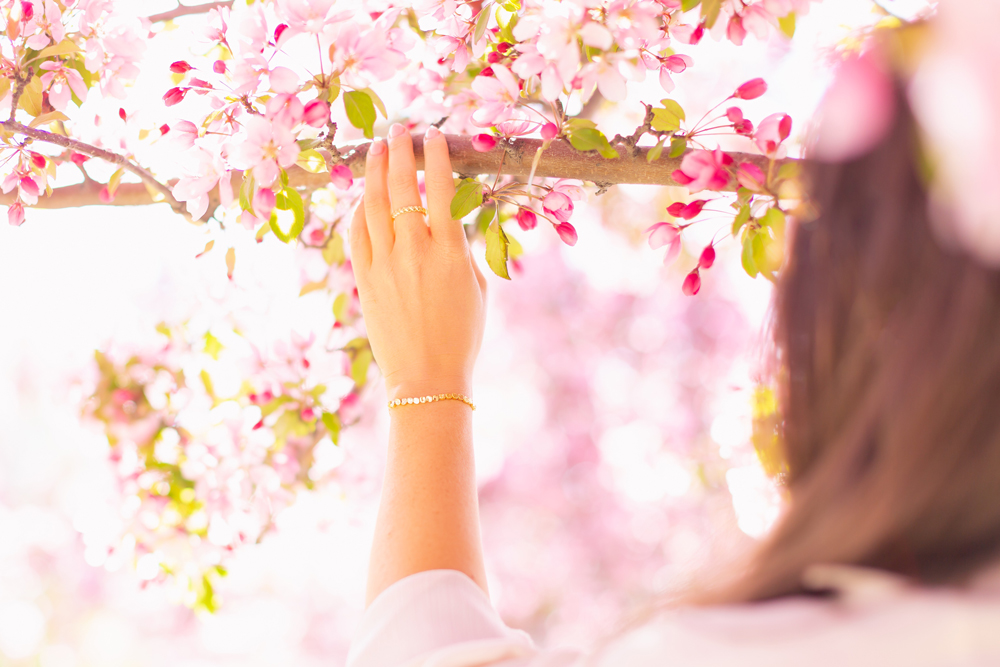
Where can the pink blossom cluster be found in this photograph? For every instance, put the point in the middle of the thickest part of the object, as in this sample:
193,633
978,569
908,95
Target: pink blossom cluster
201,473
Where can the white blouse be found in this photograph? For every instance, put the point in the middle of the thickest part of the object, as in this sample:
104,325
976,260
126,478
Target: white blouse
441,618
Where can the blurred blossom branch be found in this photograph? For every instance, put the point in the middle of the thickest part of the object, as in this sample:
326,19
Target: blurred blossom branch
187,10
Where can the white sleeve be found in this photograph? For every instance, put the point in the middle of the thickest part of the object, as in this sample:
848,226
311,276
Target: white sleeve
438,618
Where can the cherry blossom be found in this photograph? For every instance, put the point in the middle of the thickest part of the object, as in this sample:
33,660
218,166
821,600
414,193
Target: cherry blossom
267,147
59,80
771,132
702,170
500,96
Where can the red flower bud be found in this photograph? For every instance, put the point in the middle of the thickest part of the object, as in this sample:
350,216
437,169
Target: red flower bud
174,96
105,195
676,209
317,235
78,159
180,67
278,31
549,131
307,414
267,396
567,233
164,128
734,114
121,114
484,143
493,57
487,71
692,210
707,258
680,177
219,67
526,218
751,90
692,283
744,127
258,425
316,113
341,177
37,160
253,398
27,11
504,47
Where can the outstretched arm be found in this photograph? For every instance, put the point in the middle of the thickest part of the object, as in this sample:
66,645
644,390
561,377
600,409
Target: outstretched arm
423,300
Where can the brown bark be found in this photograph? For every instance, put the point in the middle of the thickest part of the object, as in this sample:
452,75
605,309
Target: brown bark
186,10
560,160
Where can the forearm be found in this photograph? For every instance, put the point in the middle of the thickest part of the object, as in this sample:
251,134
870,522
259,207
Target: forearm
429,513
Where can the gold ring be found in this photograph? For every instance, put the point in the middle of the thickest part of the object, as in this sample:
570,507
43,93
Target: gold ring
407,209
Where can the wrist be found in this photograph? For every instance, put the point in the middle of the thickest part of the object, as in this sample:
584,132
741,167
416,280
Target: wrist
415,388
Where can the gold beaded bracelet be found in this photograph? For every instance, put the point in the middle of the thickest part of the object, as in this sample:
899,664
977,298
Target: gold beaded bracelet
430,399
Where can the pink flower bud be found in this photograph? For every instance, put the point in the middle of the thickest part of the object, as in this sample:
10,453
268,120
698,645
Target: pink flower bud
675,209
751,90
734,114
174,96
680,177
219,67
38,160
707,258
121,114
253,398
164,128
484,143
15,214
307,414
317,236
692,283
744,127
180,67
493,57
78,159
27,11
105,195
661,234
316,113
677,63
259,424
526,218
200,83
263,203
567,233
750,176
549,131
558,205
267,396
504,47
487,71
341,177
692,209
278,31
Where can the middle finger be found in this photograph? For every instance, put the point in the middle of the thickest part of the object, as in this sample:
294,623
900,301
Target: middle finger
403,189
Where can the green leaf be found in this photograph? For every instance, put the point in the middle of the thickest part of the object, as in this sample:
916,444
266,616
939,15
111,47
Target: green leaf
376,100
359,366
247,191
787,24
506,19
590,139
360,111
333,251
63,48
496,250
668,119
748,264
468,197
654,153
759,250
788,171
288,200
46,118
774,218
579,123
312,161
687,5
212,345
743,196
710,12
514,249
115,181
332,423
31,97
340,307
511,5
678,146
283,175
741,219
482,23
334,89
273,405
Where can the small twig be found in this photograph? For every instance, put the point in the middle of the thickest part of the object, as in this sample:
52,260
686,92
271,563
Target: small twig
633,139
185,10
20,82
94,151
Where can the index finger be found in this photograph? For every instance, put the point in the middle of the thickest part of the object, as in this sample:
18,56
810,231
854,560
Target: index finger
440,186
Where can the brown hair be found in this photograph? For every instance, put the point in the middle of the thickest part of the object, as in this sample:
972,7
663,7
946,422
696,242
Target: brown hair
889,350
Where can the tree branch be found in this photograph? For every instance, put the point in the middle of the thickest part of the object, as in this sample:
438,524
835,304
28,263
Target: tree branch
560,160
94,151
186,10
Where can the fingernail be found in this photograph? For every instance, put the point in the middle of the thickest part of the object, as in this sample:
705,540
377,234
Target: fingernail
377,146
431,132
396,130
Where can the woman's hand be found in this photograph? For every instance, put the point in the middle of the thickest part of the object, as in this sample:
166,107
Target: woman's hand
423,298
